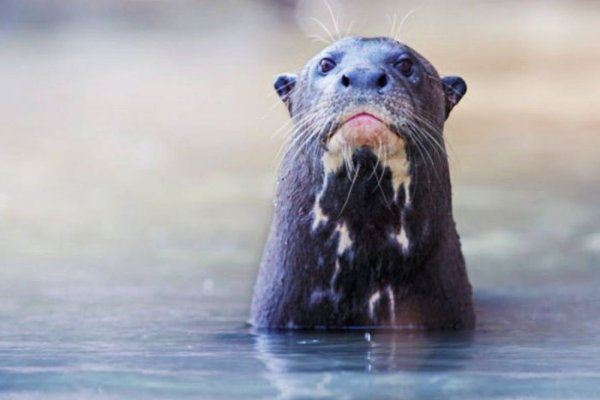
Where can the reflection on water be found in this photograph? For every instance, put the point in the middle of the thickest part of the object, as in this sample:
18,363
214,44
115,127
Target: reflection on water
539,345
318,365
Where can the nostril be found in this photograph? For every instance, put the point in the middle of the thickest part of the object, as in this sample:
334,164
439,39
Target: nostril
382,81
345,81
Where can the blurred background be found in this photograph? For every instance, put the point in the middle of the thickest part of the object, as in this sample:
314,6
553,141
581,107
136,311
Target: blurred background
142,132
138,153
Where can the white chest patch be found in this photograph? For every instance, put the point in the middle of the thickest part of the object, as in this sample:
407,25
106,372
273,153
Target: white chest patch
373,300
344,241
399,167
376,297
406,184
400,174
402,240
331,163
317,213
390,294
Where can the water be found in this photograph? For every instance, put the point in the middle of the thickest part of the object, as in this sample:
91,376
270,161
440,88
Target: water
172,345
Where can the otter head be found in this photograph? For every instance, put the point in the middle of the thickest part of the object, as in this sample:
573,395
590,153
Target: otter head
373,93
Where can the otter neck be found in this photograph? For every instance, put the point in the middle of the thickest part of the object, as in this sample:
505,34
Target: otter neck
360,188
362,231
369,204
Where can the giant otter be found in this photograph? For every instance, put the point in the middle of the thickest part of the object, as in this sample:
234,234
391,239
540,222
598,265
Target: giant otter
363,233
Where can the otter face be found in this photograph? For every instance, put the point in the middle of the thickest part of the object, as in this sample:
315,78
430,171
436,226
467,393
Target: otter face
369,92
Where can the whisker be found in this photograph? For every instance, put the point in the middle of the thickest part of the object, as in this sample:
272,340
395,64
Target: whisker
432,134
404,19
418,139
452,155
300,128
311,136
349,191
270,109
318,38
349,29
302,118
335,21
348,162
380,154
322,25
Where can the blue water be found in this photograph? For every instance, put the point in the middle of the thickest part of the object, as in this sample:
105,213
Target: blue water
141,343
144,327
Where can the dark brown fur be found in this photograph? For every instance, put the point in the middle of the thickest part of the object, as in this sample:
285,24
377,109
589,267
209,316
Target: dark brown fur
303,282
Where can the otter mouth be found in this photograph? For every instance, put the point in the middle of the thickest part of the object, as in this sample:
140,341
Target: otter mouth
363,117
363,128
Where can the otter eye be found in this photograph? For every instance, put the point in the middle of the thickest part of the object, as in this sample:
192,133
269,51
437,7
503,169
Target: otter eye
326,65
405,67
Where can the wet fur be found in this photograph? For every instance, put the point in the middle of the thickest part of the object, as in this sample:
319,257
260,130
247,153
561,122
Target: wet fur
304,283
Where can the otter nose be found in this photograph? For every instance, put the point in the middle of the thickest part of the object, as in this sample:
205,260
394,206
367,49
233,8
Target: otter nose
365,79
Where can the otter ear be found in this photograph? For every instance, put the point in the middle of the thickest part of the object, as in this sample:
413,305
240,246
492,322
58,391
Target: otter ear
454,89
284,84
